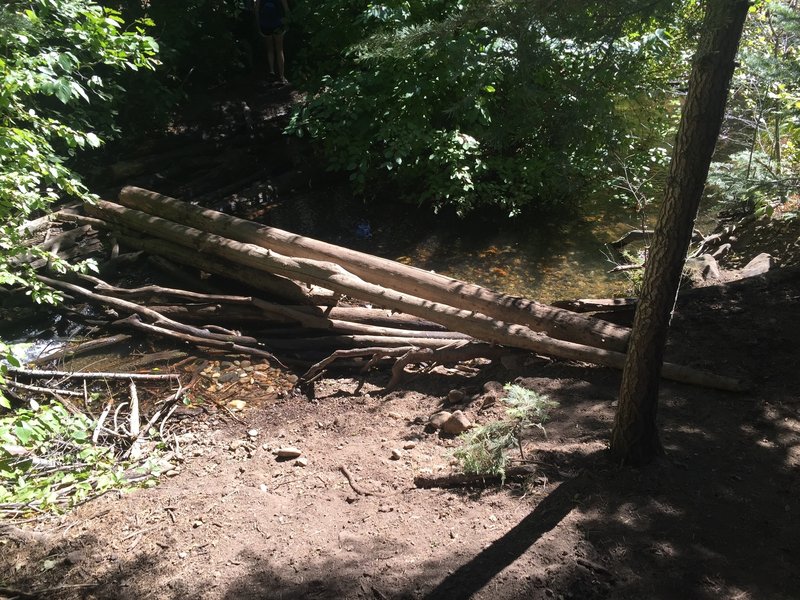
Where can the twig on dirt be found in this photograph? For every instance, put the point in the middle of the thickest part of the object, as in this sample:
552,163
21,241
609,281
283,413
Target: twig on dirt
139,532
466,480
42,592
356,488
593,566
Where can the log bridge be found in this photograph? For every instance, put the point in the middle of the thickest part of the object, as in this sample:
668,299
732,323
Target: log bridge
420,312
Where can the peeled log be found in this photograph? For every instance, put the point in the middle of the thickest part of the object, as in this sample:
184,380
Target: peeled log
334,277
259,280
557,323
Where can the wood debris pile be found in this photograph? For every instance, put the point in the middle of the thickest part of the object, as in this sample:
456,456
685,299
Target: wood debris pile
300,310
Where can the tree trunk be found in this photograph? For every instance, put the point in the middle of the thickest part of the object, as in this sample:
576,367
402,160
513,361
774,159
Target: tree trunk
634,439
555,322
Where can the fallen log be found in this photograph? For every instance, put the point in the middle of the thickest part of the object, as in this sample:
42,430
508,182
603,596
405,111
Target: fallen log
201,340
557,323
40,374
598,304
167,327
280,287
82,348
334,277
635,235
356,314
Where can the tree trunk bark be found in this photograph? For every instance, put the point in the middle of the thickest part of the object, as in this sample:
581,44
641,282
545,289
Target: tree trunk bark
555,322
634,439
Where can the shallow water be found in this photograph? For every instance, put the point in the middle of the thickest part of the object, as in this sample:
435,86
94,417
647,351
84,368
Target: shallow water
546,260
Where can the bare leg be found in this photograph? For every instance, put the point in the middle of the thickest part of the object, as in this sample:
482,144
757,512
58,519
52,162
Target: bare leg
269,42
279,60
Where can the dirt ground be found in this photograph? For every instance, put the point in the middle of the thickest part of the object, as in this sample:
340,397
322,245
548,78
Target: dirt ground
718,517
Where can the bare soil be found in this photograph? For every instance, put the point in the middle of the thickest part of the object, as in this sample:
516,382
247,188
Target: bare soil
718,517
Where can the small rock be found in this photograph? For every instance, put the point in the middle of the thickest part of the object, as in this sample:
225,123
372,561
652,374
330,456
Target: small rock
397,454
227,377
457,423
183,554
245,363
301,462
440,418
253,433
455,396
237,405
172,473
409,445
493,387
288,452
263,487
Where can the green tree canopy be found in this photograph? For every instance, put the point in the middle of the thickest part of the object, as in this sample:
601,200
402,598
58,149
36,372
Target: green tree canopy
498,102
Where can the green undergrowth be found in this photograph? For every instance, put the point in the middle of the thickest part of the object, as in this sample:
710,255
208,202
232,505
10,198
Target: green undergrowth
49,462
484,449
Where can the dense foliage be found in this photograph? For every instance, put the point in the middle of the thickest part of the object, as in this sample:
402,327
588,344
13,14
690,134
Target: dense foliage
760,168
505,103
59,67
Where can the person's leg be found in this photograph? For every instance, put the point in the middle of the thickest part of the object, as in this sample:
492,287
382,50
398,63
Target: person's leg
279,60
269,41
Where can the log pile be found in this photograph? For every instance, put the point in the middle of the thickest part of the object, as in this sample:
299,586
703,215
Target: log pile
405,315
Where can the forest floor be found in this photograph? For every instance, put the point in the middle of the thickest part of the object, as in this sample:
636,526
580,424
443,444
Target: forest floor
717,517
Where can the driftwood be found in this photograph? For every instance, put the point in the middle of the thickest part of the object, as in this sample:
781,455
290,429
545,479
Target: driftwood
406,355
334,277
280,287
42,374
82,348
555,322
598,304
636,235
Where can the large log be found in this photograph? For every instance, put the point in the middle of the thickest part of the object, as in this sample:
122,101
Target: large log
557,323
266,282
334,277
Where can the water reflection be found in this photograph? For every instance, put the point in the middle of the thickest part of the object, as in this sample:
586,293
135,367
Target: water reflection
547,260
